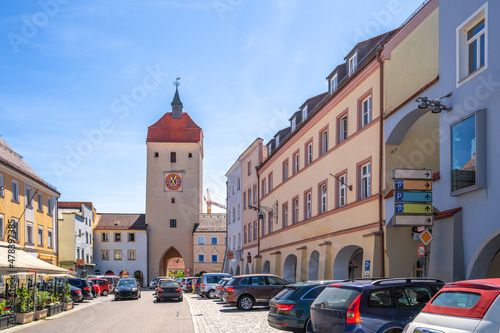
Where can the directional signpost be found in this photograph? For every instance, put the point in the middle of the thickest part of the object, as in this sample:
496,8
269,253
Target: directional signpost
412,197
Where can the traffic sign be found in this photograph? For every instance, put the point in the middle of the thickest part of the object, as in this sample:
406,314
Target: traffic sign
412,174
421,250
426,237
412,220
413,208
412,196
367,268
405,184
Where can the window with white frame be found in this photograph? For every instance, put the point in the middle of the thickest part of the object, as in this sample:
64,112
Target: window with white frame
308,205
104,254
50,207
255,230
29,233
50,242
28,194
40,236
1,185
130,254
468,142
104,237
294,124
353,63
365,181
39,201
285,216
117,254
270,223
250,232
214,240
15,190
342,190
296,163
201,257
343,128
366,111
304,113
263,187
239,211
324,142
277,140
2,231
270,182
255,194
285,171
215,257
324,198
309,153
238,184
201,240
472,44
296,211
333,83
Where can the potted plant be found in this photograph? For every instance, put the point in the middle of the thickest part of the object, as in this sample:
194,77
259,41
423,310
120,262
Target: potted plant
55,306
5,314
68,302
24,306
41,301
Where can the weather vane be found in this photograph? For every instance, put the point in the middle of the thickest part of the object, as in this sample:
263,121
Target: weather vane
177,82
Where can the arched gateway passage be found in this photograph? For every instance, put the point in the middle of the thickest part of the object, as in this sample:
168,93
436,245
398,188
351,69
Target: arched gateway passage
348,263
168,259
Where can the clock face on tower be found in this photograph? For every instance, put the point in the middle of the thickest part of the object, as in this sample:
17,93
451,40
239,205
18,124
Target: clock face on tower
173,181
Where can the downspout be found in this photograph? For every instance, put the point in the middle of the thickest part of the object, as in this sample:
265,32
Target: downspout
381,165
227,231
258,208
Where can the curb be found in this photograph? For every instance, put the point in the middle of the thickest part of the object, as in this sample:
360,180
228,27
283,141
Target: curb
199,322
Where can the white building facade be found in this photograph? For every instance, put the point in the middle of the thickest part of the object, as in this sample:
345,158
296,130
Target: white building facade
233,218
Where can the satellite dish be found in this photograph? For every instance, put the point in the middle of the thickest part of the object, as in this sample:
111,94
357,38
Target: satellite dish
261,215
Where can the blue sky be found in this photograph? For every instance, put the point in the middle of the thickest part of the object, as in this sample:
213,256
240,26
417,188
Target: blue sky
80,81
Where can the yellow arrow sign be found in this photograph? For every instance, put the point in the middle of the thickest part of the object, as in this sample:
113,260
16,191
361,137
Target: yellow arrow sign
412,208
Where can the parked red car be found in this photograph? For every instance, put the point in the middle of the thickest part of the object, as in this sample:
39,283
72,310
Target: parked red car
101,286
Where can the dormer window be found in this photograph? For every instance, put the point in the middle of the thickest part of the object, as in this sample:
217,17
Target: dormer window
277,140
294,124
269,150
333,83
353,63
304,113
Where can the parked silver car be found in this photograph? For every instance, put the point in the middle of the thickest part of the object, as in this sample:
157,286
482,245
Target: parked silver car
209,282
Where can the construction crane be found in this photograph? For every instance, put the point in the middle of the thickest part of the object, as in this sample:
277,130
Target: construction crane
209,202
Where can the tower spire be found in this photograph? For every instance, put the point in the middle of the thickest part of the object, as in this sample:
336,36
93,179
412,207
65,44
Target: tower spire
176,102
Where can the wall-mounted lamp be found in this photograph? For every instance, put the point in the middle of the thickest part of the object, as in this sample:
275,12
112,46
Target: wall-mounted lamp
272,210
341,182
436,105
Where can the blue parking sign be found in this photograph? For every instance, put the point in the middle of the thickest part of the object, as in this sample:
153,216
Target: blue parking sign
367,265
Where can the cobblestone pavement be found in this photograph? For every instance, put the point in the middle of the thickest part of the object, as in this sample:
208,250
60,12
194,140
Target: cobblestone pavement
215,316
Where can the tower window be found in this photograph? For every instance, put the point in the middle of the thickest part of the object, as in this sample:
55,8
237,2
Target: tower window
173,157
173,200
157,154
190,154
173,223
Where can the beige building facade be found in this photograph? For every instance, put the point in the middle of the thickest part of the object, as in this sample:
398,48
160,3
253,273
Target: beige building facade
326,170
173,188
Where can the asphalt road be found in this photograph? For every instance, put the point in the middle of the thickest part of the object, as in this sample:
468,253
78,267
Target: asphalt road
106,315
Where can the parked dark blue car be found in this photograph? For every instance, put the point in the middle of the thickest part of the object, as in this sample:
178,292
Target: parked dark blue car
368,306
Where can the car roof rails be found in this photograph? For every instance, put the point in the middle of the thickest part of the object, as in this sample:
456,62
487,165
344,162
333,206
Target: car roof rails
407,280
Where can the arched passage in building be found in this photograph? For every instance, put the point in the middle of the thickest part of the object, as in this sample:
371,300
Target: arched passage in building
109,272
231,271
486,261
313,268
238,270
348,263
290,268
171,254
267,267
139,277
124,274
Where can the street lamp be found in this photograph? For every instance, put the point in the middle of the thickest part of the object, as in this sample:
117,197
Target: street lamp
270,210
436,105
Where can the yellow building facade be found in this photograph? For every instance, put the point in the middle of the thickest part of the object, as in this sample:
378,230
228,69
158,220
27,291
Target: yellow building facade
209,239
28,208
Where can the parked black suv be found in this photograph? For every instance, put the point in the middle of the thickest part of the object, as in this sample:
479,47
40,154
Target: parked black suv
382,306
84,285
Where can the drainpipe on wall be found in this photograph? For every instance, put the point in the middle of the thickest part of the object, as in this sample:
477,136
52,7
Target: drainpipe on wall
258,206
227,231
381,166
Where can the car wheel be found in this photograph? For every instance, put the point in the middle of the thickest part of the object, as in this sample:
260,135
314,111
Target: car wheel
211,294
308,327
117,299
245,302
104,293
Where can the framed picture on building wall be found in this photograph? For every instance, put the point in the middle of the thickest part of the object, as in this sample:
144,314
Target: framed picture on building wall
173,181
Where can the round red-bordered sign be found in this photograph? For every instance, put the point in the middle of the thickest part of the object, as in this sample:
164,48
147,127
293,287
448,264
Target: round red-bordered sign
421,250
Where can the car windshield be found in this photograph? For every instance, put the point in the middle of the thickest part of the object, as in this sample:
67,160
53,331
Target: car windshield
126,283
168,284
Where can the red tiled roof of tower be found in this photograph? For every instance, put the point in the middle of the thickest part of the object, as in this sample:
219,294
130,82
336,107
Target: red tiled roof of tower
168,129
